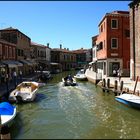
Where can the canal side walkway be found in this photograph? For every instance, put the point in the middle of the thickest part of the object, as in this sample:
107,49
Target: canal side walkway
127,83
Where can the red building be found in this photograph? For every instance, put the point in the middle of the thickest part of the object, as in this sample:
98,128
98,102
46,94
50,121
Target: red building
113,44
7,52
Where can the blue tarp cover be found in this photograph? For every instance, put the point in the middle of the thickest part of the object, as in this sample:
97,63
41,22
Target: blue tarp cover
6,108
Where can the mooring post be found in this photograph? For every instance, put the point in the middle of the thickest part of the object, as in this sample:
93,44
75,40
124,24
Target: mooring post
108,84
121,86
115,87
136,84
104,85
4,131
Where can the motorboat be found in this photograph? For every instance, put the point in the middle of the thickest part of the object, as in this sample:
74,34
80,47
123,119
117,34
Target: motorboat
129,99
81,75
68,82
44,76
24,92
7,113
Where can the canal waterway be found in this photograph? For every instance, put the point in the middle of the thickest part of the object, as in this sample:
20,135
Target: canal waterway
80,112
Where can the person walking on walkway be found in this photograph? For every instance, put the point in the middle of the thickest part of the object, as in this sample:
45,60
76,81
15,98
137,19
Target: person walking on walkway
114,73
119,73
7,82
20,75
15,78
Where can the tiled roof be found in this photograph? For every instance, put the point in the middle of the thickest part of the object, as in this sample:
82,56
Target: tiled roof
36,44
13,29
121,13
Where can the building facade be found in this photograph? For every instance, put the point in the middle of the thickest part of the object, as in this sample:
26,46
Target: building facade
63,57
134,39
113,44
21,40
41,54
83,57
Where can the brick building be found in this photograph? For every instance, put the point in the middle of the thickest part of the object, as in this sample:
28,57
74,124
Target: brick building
113,43
64,57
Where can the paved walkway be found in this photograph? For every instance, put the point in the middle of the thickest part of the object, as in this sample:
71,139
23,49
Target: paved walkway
128,83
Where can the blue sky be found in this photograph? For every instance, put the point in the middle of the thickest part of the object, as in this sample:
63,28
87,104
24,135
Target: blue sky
70,23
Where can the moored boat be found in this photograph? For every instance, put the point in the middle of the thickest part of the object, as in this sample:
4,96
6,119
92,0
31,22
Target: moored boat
7,113
24,92
81,75
129,99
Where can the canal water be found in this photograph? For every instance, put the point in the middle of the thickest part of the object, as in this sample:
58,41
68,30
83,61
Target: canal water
80,112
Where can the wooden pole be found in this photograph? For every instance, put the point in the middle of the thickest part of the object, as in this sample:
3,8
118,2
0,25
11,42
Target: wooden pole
121,86
108,84
4,132
115,87
136,84
104,85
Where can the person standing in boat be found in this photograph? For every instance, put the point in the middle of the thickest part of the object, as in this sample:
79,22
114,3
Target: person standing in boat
70,77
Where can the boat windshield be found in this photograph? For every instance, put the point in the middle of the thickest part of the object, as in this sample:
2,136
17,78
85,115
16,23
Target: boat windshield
81,72
26,84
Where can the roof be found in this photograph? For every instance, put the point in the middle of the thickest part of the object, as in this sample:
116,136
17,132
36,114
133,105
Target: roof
61,50
117,13
13,29
36,44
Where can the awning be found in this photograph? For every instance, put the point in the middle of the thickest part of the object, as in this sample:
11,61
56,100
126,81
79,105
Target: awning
43,62
2,65
26,62
92,62
12,63
31,62
17,63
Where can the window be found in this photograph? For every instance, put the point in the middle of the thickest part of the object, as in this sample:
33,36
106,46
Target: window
18,52
13,52
127,33
10,52
114,24
100,46
114,43
6,50
101,28
0,49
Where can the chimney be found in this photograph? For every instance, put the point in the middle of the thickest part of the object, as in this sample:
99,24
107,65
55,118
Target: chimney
68,49
48,44
60,46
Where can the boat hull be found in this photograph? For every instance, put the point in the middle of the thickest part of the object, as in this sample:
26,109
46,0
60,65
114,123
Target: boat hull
68,83
129,100
24,94
81,78
7,113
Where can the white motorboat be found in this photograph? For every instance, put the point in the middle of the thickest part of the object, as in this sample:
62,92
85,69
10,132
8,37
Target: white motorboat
129,99
81,75
24,92
7,113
